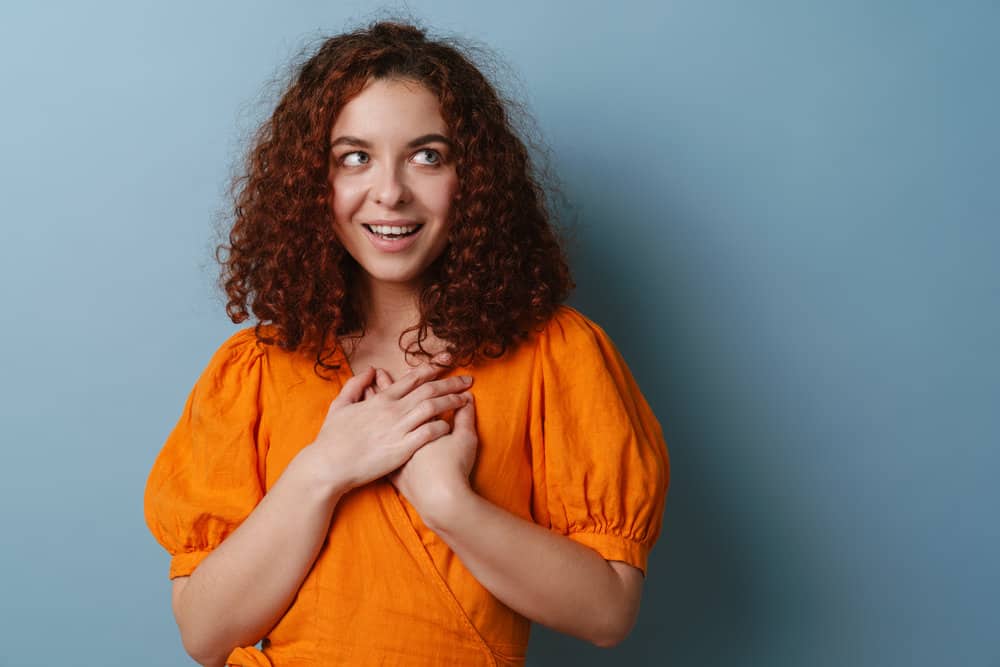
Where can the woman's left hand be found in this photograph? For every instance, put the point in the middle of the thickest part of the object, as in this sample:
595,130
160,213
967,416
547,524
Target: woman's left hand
440,469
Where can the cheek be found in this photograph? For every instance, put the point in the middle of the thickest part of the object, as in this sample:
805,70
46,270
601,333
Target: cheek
346,200
444,195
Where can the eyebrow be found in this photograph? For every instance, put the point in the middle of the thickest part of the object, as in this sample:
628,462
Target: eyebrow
419,141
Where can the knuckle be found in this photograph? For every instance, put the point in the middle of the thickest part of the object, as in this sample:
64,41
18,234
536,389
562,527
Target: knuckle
423,392
426,409
409,381
434,387
445,386
425,432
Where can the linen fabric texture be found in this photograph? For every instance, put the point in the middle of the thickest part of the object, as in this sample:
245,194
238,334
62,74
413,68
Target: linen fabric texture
566,439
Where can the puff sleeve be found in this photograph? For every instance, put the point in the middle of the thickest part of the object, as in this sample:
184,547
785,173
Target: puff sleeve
207,478
600,468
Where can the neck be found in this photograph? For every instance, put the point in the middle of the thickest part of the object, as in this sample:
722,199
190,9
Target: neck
390,308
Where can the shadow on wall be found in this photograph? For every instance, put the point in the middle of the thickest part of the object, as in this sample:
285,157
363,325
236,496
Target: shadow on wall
699,600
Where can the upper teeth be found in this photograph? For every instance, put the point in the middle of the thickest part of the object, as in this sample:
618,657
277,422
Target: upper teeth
386,229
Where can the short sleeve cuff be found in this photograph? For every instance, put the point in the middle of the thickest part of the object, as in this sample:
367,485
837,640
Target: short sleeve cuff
183,564
612,547
247,656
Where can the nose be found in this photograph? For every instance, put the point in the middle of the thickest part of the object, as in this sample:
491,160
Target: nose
390,188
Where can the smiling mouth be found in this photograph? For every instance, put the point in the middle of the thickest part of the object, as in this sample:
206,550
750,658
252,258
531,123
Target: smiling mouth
391,236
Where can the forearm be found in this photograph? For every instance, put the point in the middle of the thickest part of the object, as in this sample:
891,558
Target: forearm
542,575
244,586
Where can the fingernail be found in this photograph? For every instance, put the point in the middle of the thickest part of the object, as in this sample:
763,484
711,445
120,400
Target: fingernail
467,379
444,357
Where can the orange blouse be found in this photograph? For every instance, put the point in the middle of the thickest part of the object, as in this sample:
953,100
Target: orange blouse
566,440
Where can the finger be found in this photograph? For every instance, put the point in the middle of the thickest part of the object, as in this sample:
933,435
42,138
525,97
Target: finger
429,409
382,379
465,416
425,433
369,392
354,389
413,379
452,385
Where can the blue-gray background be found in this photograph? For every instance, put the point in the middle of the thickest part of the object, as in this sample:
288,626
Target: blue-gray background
787,221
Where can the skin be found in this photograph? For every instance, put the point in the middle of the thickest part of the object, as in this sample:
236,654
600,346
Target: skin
540,576
380,426
389,178
392,178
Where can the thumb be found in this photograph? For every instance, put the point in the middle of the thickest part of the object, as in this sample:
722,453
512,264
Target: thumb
354,389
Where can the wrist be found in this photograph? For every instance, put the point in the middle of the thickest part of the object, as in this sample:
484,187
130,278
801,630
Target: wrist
312,472
449,502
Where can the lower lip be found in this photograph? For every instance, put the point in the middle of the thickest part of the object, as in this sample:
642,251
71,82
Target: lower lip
392,245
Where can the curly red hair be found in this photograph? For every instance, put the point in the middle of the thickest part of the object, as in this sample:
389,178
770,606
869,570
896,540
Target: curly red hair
503,272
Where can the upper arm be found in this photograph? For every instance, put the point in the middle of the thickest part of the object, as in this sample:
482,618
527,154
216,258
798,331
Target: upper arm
175,594
600,468
208,476
632,580
179,584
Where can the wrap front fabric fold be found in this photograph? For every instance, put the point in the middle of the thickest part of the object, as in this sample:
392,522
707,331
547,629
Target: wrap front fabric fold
566,440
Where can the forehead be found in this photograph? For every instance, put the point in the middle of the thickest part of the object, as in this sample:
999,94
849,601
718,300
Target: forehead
390,107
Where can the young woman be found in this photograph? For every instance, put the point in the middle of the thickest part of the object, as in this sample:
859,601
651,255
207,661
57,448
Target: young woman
417,450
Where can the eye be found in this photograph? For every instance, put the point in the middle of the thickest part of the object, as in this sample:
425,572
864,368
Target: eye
430,156
354,159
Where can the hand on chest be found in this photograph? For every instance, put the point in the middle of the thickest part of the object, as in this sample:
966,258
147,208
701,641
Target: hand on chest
387,355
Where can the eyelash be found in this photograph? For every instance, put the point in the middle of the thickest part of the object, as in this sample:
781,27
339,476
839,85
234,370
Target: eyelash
437,156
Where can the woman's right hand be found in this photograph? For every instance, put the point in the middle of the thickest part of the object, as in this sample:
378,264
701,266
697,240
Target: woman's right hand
366,436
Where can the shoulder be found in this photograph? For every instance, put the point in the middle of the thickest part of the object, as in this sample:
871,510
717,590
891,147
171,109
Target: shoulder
238,354
569,331
241,344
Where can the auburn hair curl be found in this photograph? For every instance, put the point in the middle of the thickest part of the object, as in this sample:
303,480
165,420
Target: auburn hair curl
503,272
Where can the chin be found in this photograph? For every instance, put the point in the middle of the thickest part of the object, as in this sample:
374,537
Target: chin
393,277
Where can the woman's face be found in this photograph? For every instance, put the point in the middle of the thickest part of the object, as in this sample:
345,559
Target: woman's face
392,173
